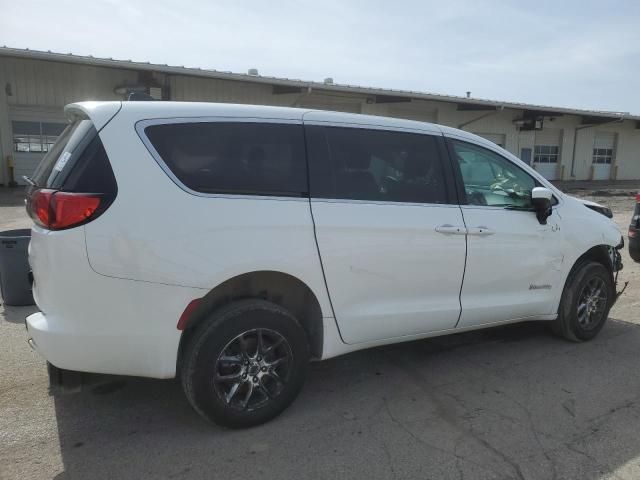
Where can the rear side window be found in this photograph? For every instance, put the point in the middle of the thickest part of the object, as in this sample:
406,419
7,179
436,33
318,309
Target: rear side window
91,172
74,183
377,165
237,158
58,160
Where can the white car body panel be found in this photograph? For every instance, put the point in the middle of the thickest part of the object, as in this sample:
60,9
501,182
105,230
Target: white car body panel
99,112
380,259
94,323
209,245
514,265
582,230
111,291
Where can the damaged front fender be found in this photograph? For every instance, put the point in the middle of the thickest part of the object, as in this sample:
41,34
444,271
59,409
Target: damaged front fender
616,264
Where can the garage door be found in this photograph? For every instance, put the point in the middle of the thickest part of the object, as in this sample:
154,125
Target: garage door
33,132
546,153
497,138
603,154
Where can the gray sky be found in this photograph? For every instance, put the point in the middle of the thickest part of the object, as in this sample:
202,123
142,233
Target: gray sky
583,54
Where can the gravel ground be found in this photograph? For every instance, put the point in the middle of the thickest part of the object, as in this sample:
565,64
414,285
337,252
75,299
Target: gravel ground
511,402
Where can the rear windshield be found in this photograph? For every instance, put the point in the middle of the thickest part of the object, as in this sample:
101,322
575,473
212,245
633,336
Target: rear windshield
60,158
235,158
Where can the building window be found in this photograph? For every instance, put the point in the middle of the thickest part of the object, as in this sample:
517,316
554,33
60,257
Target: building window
546,154
604,148
35,137
602,155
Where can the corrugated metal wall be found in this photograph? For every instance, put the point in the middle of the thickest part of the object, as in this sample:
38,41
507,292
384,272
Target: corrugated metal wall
37,88
193,89
41,83
413,111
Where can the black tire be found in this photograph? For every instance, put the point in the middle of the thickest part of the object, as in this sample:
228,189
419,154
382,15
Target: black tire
571,323
208,377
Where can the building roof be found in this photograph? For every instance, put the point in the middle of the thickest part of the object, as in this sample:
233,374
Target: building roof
317,86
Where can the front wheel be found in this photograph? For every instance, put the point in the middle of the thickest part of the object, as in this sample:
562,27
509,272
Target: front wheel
585,304
245,364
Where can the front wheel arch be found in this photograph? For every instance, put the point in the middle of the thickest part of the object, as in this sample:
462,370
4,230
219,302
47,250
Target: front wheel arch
600,256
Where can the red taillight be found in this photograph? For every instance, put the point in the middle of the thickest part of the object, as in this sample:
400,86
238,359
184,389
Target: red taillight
188,311
638,198
39,206
58,210
633,233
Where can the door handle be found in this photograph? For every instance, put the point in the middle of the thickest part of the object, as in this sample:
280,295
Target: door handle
451,229
481,231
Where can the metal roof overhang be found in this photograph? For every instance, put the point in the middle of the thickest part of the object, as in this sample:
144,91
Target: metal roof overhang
380,95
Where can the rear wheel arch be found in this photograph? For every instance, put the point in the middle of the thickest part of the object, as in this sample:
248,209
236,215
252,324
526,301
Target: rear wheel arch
254,354
277,287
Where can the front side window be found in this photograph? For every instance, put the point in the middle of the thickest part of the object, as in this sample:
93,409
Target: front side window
490,179
236,157
375,165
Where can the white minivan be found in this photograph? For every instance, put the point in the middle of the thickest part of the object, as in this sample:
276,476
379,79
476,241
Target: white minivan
228,245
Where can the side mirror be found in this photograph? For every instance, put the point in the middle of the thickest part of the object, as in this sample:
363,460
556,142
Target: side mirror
541,201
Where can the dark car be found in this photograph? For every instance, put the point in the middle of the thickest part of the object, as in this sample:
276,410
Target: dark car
634,232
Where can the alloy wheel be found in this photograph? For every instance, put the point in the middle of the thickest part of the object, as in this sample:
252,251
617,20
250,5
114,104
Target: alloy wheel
592,303
252,369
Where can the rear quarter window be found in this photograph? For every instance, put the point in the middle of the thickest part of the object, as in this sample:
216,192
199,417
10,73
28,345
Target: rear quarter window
59,159
233,157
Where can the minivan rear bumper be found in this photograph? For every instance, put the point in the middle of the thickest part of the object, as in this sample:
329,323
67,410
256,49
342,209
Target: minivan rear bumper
70,348
94,323
67,345
62,348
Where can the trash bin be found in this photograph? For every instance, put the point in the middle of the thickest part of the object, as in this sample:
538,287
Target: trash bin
15,282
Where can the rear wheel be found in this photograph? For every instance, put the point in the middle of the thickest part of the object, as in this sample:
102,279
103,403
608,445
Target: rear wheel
245,364
586,301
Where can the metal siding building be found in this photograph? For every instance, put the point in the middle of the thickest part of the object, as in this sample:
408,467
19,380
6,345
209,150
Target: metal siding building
35,86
